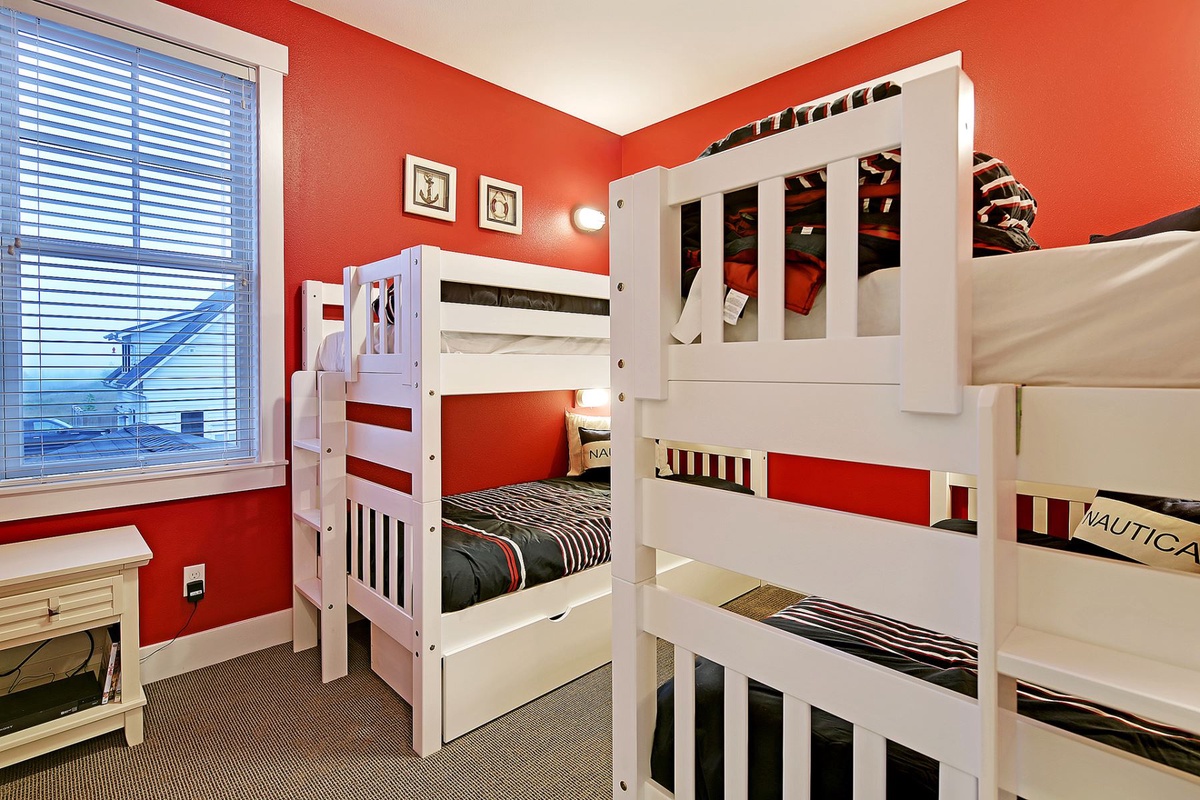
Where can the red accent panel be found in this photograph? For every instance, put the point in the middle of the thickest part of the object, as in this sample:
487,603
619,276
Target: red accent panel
1065,117
384,416
498,439
887,492
396,479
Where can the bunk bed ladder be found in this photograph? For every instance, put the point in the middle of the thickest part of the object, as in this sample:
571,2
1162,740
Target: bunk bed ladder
319,518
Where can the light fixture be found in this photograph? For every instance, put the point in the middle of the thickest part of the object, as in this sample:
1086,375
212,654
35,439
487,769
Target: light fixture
588,220
591,398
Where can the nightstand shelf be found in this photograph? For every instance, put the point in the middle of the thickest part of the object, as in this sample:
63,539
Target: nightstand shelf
63,585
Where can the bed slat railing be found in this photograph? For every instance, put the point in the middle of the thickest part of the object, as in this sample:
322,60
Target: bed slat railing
932,118
685,724
936,721
737,735
790,545
797,748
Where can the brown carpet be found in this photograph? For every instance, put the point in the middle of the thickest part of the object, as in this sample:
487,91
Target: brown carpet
264,727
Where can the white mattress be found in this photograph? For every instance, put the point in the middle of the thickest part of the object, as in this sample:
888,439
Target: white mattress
1121,313
331,356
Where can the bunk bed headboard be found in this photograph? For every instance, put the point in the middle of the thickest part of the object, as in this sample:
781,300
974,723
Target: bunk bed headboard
932,120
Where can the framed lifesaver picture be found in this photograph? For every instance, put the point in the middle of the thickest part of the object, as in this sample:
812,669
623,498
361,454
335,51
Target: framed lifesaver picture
429,188
499,205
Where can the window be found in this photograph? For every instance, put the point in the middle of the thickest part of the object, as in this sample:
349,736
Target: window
132,332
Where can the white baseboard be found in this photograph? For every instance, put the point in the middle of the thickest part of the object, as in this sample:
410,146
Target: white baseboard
213,646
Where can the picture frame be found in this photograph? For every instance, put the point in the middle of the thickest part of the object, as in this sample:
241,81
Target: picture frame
500,207
430,188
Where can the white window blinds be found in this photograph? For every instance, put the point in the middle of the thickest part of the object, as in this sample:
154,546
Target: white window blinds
128,257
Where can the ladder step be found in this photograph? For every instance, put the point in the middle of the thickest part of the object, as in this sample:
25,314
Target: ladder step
310,517
310,590
312,445
1158,691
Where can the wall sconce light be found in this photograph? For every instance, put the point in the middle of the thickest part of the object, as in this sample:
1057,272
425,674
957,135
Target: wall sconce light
592,398
588,220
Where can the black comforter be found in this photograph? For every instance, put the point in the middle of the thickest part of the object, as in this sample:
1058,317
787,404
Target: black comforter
939,659
502,540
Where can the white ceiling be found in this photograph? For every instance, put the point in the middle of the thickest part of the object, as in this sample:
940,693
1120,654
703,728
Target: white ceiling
625,64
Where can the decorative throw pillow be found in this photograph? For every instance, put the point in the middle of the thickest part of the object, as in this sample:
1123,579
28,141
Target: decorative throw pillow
574,445
597,453
1181,221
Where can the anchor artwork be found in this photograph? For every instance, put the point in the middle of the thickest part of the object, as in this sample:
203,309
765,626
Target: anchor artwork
429,188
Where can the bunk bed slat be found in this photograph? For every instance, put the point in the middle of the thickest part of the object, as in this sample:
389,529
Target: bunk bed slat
391,447
737,735
1122,680
1140,610
771,254
1086,437
954,784
869,129
1057,763
841,271
933,574
685,724
481,373
858,423
712,269
797,749
870,765
522,321
871,359
463,268
849,688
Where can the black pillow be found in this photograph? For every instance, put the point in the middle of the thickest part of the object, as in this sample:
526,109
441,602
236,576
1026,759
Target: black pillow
588,436
1181,221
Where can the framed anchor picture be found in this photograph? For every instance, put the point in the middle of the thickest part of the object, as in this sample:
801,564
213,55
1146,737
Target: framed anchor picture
499,205
429,188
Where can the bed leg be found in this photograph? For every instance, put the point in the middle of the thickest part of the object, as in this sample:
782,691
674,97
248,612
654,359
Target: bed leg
634,687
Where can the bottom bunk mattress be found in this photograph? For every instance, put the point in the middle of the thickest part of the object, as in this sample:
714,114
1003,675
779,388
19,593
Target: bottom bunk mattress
502,540
943,660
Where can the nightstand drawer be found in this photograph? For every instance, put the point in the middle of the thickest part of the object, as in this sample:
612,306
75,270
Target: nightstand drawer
48,610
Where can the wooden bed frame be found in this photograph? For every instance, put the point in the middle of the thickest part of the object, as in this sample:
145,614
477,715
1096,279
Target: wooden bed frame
1086,626
526,643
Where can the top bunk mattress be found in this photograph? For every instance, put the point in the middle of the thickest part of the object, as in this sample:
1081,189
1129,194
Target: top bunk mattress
1119,313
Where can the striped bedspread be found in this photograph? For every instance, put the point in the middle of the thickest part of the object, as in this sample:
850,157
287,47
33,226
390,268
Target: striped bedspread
924,654
502,540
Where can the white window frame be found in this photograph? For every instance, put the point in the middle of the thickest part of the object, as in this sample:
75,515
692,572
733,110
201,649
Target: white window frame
270,60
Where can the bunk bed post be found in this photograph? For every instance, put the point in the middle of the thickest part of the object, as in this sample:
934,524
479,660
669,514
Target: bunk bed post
357,299
935,251
312,296
421,284
334,644
640,295
997,536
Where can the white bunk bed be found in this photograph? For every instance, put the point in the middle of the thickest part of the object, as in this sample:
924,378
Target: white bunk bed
1089,627
522,644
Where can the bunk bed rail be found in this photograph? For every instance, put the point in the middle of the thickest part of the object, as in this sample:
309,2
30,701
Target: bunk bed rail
932,121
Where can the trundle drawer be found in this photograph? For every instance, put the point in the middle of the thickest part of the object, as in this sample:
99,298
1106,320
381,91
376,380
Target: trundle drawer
43,612
491,678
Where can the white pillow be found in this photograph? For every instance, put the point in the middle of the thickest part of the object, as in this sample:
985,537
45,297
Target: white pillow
574,446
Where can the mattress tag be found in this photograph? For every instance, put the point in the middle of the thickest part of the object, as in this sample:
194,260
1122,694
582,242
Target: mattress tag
806,230
735,301
688,327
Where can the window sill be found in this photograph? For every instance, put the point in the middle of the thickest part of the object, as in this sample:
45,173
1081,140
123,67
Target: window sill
75,496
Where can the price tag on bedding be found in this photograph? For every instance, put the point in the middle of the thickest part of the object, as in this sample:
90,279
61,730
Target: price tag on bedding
1159,540
735,301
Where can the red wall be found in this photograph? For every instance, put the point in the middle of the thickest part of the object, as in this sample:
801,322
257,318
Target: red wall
354,104
1091,102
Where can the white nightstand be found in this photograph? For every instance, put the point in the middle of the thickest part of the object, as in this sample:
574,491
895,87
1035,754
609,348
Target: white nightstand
66,584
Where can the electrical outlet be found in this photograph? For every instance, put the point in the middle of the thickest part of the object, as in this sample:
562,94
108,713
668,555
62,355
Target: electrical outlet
193,573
